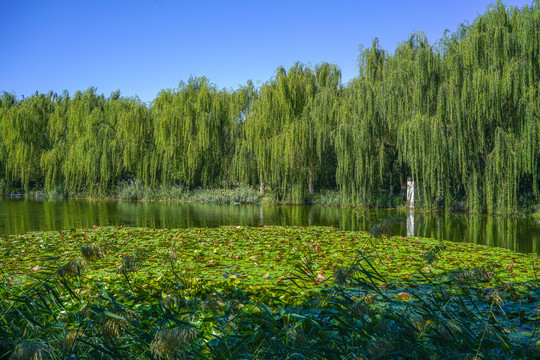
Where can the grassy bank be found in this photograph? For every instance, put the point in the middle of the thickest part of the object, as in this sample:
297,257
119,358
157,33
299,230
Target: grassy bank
136,191
269,292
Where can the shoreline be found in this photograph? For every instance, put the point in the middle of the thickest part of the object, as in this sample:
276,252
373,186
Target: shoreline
249,196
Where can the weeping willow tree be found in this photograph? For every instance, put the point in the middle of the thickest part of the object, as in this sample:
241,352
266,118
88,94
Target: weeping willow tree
7,100
421,137
508,105
24,137
96,142
360,137
482,142
91,146
461,117
324,114
272,125
485,129
195,129
52,159
134,132
243,168
288,131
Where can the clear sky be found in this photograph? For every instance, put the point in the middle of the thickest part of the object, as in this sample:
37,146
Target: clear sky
141,47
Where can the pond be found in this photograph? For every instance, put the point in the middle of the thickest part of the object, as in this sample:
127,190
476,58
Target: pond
19,216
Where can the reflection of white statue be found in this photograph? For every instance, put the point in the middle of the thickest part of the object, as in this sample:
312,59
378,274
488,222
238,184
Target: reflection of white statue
410,193
410,223
261,215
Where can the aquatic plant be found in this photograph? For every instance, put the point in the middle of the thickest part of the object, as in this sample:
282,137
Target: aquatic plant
276,297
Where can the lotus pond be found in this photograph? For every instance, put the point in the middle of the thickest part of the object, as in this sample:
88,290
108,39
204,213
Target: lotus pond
263,292
256,255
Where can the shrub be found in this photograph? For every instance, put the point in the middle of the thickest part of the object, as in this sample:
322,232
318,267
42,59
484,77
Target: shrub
5,187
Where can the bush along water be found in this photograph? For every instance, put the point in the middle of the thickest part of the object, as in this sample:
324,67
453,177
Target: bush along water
5,187
101,296
136,190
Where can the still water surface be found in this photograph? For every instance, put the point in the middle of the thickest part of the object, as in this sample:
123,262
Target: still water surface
19,216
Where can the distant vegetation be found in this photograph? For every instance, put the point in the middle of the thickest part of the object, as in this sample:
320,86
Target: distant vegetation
460,116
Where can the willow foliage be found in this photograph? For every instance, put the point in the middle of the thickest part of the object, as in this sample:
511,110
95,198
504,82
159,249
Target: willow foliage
492,108
461,117
288,131
24,137
91,147
195,130
7,100
360,129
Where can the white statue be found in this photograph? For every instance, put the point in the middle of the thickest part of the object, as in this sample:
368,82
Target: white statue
410,193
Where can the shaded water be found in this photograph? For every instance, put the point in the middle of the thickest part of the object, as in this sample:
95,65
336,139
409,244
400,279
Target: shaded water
19,216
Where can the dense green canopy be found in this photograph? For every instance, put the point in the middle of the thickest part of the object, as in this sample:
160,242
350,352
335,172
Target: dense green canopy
461,117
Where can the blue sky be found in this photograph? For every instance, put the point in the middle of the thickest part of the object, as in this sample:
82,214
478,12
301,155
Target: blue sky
141,47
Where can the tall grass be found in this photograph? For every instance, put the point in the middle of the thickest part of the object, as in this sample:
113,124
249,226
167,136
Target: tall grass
327,198
58,192
242,195
135,190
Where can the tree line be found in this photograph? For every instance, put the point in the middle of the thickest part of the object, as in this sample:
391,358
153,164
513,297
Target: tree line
460,117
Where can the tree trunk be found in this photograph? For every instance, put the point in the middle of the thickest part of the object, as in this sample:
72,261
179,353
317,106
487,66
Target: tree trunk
391,174
402,182
391,185
310,182
261,190
410,193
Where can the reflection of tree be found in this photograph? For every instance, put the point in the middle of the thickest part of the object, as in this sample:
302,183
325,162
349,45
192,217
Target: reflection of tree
20,216
410,223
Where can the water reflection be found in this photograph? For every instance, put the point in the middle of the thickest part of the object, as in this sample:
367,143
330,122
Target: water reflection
22,215
410,223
